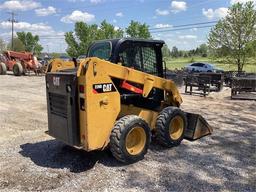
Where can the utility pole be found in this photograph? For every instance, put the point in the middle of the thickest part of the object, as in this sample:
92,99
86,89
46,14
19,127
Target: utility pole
13,21
47,49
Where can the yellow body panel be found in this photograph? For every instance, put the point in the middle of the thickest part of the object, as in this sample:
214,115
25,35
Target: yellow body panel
59,64
148,115
101,110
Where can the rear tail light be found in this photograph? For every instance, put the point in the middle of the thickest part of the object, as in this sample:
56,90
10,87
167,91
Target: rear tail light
81,88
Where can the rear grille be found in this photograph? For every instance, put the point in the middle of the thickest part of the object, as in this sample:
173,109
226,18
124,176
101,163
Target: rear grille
58,104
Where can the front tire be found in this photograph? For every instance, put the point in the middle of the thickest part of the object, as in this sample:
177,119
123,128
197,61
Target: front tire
130,139
17,69
171,125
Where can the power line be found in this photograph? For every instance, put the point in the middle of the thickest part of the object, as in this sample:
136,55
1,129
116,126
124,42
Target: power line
167,29
198,27
185,25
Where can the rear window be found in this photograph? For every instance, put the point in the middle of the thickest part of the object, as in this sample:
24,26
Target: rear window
101,50
197,64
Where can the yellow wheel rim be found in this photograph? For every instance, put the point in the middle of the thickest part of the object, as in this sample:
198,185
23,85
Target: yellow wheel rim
135,140
176,127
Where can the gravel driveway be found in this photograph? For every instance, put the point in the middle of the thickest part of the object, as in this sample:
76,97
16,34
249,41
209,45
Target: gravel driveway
33,161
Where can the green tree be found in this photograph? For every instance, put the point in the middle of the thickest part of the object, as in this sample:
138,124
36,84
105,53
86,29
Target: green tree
108,31
17,45
202,50
2,45
84,34
234,32
138,30
30,42
166,51
251,47
175,52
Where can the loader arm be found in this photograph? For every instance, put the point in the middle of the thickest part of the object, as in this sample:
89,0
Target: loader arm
172,96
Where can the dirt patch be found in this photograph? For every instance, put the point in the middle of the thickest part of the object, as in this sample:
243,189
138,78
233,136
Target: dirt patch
33,161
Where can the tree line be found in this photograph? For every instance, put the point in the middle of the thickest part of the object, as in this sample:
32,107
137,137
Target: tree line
233,37
84,34
25,41
201,51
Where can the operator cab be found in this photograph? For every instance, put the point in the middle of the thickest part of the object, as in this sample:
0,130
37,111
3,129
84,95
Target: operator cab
142,55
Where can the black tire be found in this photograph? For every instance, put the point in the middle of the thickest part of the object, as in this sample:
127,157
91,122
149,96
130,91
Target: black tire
17,69
3,69
163,129
123,130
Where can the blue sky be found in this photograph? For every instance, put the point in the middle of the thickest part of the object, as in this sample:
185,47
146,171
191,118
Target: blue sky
50,19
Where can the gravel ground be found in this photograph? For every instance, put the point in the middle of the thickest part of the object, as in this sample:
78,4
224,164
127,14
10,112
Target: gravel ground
33,161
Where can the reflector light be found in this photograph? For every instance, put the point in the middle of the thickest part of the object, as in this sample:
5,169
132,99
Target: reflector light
81,88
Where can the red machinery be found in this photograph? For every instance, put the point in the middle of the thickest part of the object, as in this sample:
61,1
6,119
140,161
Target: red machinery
18,62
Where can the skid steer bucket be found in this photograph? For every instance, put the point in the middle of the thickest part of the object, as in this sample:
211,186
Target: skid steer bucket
197,127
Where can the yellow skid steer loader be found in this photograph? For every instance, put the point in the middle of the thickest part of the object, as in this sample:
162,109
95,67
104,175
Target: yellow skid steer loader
118,97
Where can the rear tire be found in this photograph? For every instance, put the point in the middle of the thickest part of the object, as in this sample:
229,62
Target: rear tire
171,125
17,69
130,139
3,69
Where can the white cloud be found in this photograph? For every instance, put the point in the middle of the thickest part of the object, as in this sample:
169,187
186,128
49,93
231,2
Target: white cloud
91,1
160,25
74,1
217,13
46,11
193,29
48,36
178,6
162,12
116,28
187,37
241,1
119,14
26,26
96,1
78,16
201,41
20,5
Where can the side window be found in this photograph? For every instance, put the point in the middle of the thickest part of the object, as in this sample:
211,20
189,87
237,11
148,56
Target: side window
140,58
149,60
101,50
195,65
130,57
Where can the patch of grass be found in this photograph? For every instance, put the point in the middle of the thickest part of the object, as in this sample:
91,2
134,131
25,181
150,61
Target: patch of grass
220,63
